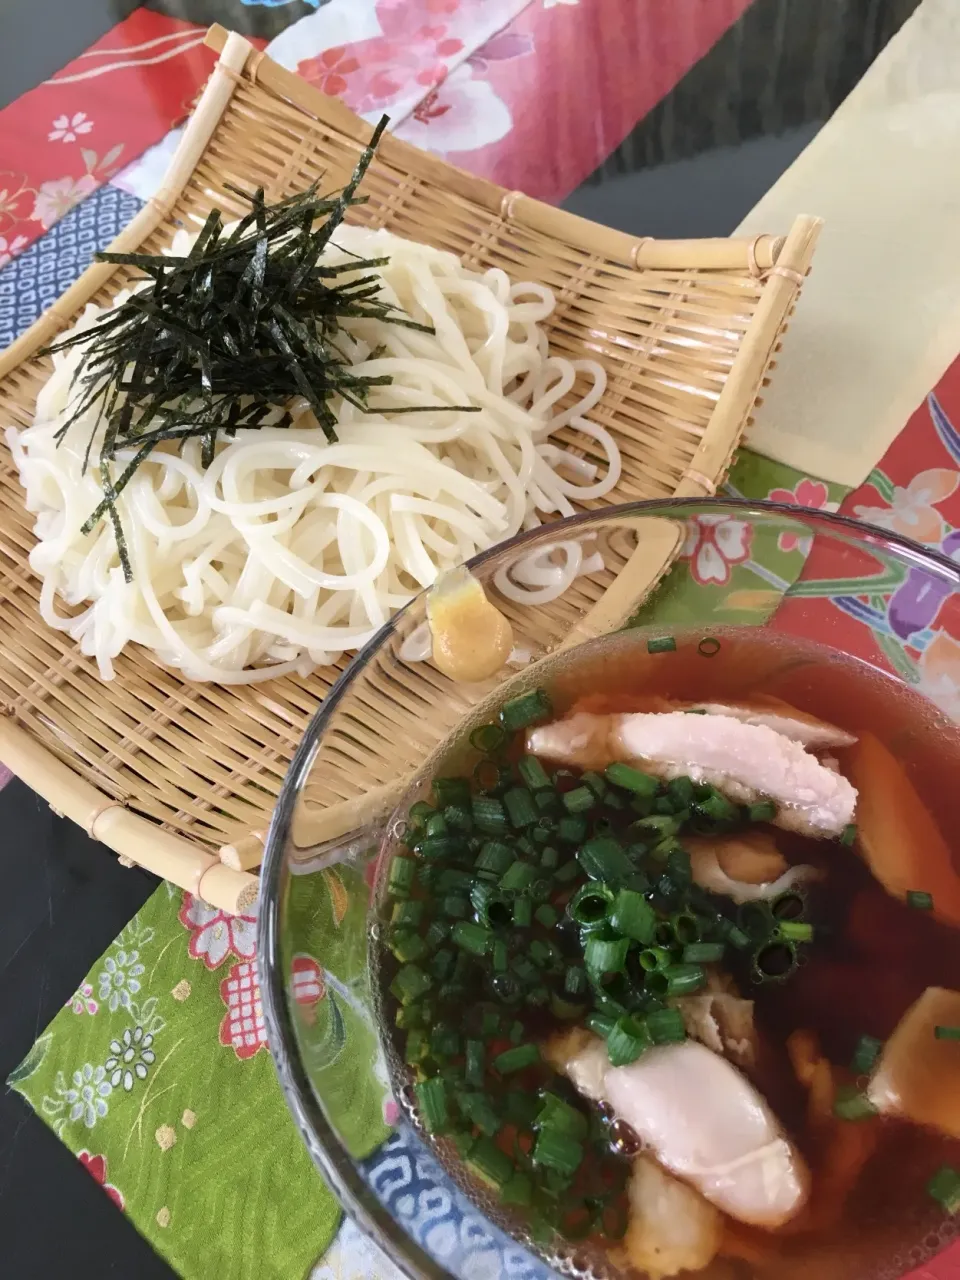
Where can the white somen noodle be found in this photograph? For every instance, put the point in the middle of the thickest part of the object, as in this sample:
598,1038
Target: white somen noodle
289,551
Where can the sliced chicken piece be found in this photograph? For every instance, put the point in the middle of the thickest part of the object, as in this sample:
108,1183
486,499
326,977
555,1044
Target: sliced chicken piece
918,1076
581,1057
723,1022
671,1228
746,868
798,726
900,841
746,762
704,1122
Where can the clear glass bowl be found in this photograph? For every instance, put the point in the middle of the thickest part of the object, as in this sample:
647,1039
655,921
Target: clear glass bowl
385,715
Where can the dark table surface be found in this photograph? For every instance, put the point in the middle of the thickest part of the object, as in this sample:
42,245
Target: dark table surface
693,167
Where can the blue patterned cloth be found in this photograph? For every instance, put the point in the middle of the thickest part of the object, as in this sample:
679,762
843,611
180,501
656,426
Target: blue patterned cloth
39,275
422,1198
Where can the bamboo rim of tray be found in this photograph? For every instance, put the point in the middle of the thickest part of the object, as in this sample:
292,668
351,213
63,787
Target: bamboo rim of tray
120,759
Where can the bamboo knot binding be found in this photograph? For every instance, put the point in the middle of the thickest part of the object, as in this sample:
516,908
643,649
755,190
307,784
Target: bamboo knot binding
758,273
638,249
508,203
698,478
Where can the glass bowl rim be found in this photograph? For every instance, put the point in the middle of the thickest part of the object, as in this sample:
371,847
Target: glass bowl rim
338,1168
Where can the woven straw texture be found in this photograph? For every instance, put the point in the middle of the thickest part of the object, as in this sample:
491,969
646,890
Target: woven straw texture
167,772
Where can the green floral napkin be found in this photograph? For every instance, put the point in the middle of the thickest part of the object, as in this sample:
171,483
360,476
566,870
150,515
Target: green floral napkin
156,1074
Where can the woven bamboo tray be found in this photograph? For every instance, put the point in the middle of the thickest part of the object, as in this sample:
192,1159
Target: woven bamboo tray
181,778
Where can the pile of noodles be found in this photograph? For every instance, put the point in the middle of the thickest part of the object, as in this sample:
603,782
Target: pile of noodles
289,551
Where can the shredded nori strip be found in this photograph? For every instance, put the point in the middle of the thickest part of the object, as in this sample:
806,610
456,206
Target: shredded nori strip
226,335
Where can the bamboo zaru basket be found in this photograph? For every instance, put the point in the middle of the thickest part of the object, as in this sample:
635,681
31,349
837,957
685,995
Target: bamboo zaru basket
181,778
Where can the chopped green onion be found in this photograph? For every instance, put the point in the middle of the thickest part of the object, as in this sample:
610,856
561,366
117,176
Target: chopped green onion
569,871
518,1191
478,1109
410,984
450,880
718,808
575,980
703,953
709,647
656,984
407,913
546,915
488,738
451,791
919,900
489,1163
437,932
520,808
474,938
762,811
441,964
488,815
630,779
400,876
601,1023
603,955
549,857
494,856
553,1150
686,928
525,969
517,876
633,917
518,1058
944,1187
560,1117
444,1041
947,1033
684,979
420,811
521,712
849,833
756,920
579,800
680,792
774,961
431,1098
661,644
659,825
412,1015
788,906
796,930
852,1103
865,1055
666,1026
500,958
473,1069
439,846
456,906
417,1047
737,938
571,829
522,913
493,908
654,958
604,859
592,904
406,945
533,773
628,1039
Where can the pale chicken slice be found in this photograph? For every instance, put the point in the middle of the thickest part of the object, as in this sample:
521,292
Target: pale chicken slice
703,1121
746,762
918,1076
811,733
671,1227
746,867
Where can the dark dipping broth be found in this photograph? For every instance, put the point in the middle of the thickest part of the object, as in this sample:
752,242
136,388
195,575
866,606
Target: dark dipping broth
483,954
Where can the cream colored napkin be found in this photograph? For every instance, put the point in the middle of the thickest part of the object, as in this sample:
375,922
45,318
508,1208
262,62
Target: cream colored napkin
879,319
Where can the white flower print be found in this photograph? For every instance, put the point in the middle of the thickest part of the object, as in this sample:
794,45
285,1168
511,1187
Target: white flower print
214,934
66,128
88,1097
119,979
131,1058
10,248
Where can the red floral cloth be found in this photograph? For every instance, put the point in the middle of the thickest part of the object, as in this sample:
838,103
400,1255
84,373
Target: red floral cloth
69,135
